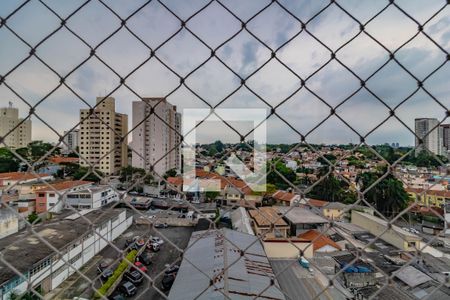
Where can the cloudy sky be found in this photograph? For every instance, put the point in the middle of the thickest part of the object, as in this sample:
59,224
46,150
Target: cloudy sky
243,54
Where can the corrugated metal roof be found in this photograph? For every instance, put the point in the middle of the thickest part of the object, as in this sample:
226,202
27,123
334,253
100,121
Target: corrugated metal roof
217,254
411,276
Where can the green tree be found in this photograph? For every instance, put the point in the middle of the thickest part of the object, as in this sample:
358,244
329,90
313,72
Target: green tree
33,217
328,189
277,180
170,173
82,171
388,195
37,149
211,195
8,162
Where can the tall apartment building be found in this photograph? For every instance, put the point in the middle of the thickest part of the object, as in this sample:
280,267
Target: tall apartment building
71,140
9,119
153,138
100,137
432,138
446,138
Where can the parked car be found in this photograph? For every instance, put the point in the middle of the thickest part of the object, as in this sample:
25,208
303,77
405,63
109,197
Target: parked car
116,297
140,242
159,203
413,230
157,240
167,281
101,267
171,269
127,288
133,276
153,246
161,225
129,243
140,266
145,258
106,274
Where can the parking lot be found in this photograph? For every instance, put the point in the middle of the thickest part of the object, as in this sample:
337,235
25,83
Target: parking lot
77,286
168,254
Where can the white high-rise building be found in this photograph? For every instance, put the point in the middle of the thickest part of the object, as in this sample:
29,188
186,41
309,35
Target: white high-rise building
71,140
155,139
9,119
101,133
430,132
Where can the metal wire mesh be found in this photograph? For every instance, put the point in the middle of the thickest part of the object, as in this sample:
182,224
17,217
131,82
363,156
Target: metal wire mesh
181,78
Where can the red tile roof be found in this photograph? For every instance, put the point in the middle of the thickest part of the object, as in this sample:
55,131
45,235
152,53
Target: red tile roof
224,181
316,203
318,239
177,181
21,176
444,193
283,196
64,185
61,159
425,210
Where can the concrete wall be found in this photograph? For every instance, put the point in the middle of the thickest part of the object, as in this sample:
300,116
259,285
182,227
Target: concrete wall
9,224
333,214
284,249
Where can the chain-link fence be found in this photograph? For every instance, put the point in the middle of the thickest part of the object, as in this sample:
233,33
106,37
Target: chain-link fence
311,65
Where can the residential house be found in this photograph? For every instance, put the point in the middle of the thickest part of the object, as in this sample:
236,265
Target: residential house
91,197
16,178
300,219
51,199
320,241
268,223
284,198
335,211
429,197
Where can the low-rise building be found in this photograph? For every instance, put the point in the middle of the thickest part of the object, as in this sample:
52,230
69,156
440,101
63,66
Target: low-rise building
321,242
335,211
15,178
77,240
267,223
394,235
91,197
301,219
429,197
51,199
284,198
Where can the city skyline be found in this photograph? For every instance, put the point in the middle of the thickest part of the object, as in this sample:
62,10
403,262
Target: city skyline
243,54
68,139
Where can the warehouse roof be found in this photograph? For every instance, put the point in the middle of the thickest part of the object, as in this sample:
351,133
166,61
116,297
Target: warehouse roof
213,268
59,233
299,215
411,276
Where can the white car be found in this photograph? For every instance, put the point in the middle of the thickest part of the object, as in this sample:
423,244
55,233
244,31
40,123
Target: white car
157,240
413,230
